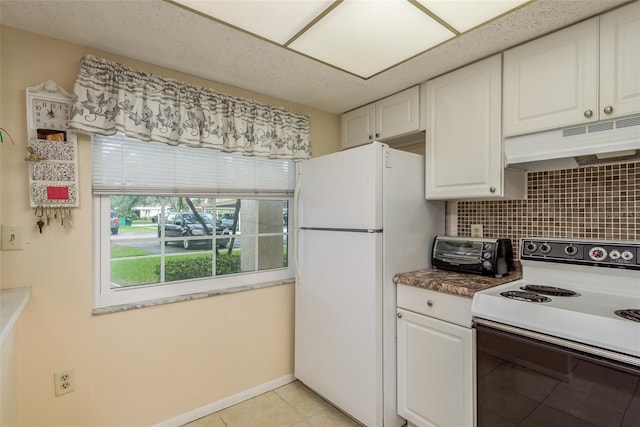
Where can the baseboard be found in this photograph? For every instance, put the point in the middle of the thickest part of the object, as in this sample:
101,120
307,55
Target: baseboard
203,411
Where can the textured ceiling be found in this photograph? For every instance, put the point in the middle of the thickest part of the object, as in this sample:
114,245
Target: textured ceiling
163,34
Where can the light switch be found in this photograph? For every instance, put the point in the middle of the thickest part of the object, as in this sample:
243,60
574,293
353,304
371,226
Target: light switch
12,237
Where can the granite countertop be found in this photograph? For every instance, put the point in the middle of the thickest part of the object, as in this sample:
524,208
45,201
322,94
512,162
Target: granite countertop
450,282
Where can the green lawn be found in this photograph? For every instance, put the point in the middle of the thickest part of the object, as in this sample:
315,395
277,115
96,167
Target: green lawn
137,228
135,271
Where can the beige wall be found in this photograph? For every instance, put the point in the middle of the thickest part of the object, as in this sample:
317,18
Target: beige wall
138,367
9,380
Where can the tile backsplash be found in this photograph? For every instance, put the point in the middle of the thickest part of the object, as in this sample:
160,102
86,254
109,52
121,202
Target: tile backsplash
594,202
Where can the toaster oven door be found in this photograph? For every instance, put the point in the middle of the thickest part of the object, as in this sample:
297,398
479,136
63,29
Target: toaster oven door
458,255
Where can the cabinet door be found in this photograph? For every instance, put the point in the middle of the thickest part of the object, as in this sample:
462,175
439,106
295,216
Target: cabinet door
358,126
552,81
398,114
463,151
436,371
620,62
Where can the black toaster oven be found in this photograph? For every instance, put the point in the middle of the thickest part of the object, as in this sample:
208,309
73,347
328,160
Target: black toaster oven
489,257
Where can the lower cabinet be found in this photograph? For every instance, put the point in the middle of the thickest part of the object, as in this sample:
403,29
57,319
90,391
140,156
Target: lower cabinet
436,371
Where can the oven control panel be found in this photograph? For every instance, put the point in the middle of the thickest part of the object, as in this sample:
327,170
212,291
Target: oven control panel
601,254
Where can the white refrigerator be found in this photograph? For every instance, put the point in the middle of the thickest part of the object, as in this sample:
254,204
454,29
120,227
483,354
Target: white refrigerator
361,218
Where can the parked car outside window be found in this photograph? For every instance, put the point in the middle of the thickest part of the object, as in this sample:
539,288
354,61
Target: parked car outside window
114,223
227,220
185,224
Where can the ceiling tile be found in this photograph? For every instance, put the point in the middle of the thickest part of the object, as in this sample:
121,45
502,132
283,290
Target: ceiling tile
275,20
464,15
365,38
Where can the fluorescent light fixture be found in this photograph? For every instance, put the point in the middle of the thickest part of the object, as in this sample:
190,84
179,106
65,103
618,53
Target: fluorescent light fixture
361,37
366,37
274,20
464,15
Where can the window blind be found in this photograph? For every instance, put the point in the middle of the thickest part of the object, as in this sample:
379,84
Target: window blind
124,165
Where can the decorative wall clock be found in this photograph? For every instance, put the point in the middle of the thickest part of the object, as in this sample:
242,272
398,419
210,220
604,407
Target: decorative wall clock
52,147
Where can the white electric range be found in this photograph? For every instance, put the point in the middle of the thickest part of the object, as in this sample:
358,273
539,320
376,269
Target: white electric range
561,346
583,294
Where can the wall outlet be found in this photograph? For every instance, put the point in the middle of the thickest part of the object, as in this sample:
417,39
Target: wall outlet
65,382
476,230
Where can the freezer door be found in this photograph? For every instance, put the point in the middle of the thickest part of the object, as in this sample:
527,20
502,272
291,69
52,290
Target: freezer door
338,320
341,190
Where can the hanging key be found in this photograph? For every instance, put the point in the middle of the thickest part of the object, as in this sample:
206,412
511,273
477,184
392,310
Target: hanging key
39,213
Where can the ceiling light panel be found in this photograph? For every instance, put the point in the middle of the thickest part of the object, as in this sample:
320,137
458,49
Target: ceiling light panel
464,15
275,20
366,37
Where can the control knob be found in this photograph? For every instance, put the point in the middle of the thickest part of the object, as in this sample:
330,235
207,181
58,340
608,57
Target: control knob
486,265
570,250
545,248
627,255
614,254
531,247
597,253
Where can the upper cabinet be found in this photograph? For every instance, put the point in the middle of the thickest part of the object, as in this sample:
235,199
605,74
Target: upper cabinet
577,75
620,61
387,118
463,151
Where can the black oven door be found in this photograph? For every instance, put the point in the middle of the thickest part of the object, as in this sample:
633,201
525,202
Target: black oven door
527,382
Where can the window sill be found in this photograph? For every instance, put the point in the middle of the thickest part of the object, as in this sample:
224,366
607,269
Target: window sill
170,300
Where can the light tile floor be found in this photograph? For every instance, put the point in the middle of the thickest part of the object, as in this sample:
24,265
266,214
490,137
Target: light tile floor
292,405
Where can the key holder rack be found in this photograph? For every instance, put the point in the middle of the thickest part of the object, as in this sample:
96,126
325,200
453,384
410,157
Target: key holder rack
51,154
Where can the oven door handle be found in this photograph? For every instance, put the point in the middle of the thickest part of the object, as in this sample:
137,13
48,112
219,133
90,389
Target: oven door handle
595,354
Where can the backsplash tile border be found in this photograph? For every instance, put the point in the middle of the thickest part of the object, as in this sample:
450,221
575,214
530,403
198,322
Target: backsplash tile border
592,202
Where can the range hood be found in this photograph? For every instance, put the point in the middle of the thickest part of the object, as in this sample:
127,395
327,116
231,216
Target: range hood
615,140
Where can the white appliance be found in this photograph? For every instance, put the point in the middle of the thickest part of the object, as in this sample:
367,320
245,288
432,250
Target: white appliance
573,318
361,219
588,144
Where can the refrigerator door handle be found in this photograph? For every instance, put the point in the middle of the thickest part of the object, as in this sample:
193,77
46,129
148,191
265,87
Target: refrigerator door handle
296,195
296,264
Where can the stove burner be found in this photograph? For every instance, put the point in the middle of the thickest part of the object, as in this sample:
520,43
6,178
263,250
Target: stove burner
629,314
550,290
525,296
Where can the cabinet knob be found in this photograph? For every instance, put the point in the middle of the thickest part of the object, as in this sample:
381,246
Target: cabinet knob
608,109
370,136
430,303
588,113
492,189
399,315
377,135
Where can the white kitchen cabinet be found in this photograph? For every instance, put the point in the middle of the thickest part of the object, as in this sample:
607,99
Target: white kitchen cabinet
463,150
436,363
583,73
395,115
620,61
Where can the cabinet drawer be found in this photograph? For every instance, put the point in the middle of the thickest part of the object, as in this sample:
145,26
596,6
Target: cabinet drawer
450,308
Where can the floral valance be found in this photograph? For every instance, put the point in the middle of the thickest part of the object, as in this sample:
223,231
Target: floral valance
109,97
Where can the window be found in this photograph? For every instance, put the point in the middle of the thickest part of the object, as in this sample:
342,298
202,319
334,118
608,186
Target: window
161,238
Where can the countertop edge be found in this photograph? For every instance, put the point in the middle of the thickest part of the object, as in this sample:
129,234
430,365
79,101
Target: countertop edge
453,283
12,302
